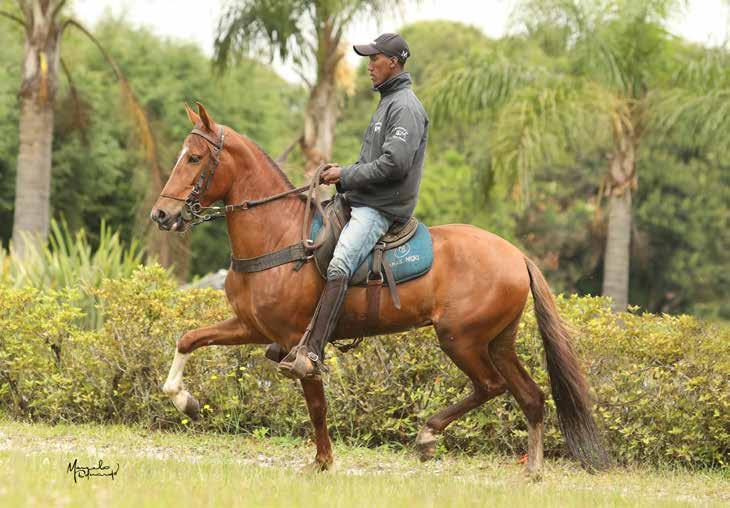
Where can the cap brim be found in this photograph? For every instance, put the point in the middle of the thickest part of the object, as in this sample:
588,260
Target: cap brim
366,49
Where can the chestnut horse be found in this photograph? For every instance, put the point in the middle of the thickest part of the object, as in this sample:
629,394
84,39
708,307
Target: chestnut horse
473,296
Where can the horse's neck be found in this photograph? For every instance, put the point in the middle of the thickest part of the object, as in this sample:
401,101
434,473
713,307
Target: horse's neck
267,227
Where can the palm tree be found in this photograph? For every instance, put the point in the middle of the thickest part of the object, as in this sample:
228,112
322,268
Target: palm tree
607,90
43,24
309,32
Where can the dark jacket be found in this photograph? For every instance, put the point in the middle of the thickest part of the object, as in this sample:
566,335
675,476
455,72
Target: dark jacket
387,174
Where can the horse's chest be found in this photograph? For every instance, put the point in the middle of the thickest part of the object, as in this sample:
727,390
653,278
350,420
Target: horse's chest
270,304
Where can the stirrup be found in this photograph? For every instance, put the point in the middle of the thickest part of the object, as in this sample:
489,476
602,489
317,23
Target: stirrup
301,363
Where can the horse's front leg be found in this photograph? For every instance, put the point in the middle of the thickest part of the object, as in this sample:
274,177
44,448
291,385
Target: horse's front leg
317,406
226,333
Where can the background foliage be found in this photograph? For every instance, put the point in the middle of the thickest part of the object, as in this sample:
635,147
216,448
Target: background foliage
98,171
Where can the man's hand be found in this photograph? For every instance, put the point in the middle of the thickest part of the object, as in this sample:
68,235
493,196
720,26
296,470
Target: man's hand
331,174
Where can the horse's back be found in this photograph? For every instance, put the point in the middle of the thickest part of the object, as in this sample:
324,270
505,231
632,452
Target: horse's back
468,244
478,274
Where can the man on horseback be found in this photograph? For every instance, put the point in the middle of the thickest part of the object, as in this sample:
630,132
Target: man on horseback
381,187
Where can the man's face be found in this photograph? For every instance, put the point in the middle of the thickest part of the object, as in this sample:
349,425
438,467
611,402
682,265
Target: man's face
382,67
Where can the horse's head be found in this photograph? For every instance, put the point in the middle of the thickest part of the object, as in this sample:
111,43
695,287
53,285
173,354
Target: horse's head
191,184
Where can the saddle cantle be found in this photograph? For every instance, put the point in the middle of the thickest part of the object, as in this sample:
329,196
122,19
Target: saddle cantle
403,253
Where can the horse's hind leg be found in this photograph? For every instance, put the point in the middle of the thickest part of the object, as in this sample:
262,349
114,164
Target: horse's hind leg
229,332
525,391
317,406
470,357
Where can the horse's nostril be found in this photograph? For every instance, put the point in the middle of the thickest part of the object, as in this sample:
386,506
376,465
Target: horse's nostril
158,215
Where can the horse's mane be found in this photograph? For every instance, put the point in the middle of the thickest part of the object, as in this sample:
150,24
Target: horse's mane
271,161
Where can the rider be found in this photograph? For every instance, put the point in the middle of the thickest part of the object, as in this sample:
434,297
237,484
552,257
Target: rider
381,187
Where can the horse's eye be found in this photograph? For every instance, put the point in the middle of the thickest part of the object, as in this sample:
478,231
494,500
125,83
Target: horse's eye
194,159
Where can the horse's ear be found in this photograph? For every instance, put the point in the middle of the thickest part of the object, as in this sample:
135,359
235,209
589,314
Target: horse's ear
194,118
207,121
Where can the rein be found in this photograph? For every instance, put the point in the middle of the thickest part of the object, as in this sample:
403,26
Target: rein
195,213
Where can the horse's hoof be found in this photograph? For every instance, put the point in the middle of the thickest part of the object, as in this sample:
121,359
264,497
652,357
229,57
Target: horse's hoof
192,408
426,442
317,467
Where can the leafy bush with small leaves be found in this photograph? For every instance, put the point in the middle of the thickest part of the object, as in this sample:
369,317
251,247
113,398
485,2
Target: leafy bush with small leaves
660,382
68,260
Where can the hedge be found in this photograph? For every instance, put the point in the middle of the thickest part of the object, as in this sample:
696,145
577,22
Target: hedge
660,382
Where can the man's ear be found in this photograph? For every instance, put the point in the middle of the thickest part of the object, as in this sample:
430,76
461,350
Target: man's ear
205,118
192,115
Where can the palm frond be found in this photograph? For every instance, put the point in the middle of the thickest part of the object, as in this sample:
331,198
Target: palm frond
547,124
267,27
468,92
612,41
140,116
695,109
692,118
709,70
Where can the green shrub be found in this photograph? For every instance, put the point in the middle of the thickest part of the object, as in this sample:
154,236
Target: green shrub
68,260
660,381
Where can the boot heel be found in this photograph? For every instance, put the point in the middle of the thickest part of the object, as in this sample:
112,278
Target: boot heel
275,352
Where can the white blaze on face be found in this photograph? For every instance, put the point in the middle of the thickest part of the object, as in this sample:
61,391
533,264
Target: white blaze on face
179,158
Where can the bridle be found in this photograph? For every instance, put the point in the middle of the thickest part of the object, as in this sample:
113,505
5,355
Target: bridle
192,210
195,213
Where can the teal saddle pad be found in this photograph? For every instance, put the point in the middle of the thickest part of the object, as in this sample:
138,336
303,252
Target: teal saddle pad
408,261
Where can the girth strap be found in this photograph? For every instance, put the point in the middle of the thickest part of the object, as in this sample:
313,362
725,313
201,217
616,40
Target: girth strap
297,252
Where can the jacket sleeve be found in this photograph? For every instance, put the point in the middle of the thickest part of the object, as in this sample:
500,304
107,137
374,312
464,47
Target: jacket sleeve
402,139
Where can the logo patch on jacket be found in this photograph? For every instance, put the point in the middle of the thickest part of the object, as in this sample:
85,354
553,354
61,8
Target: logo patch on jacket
377,126
400,133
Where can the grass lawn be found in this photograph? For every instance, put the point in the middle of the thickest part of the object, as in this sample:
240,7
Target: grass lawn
195,469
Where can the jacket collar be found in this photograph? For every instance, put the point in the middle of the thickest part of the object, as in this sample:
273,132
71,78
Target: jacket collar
389,86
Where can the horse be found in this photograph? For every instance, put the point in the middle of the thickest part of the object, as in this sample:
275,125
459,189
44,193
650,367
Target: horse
474,296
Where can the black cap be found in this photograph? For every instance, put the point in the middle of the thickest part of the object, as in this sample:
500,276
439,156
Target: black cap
388,44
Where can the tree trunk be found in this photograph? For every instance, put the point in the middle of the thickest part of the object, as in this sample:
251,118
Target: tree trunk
320,116
319,123
621,181
37,97
33,179
616,260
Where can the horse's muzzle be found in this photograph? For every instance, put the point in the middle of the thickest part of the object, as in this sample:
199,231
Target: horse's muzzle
168,222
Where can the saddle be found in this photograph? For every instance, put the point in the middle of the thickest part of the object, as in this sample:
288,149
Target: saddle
403,253
374,271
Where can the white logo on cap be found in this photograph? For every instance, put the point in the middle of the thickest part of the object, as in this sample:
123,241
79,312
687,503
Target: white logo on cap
404,54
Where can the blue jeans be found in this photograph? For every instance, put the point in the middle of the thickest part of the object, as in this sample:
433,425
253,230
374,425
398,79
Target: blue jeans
358,238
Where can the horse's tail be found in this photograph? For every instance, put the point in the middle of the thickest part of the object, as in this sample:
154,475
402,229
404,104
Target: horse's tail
567,381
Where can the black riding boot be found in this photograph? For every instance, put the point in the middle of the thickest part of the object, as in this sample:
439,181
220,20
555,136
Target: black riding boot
304,359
